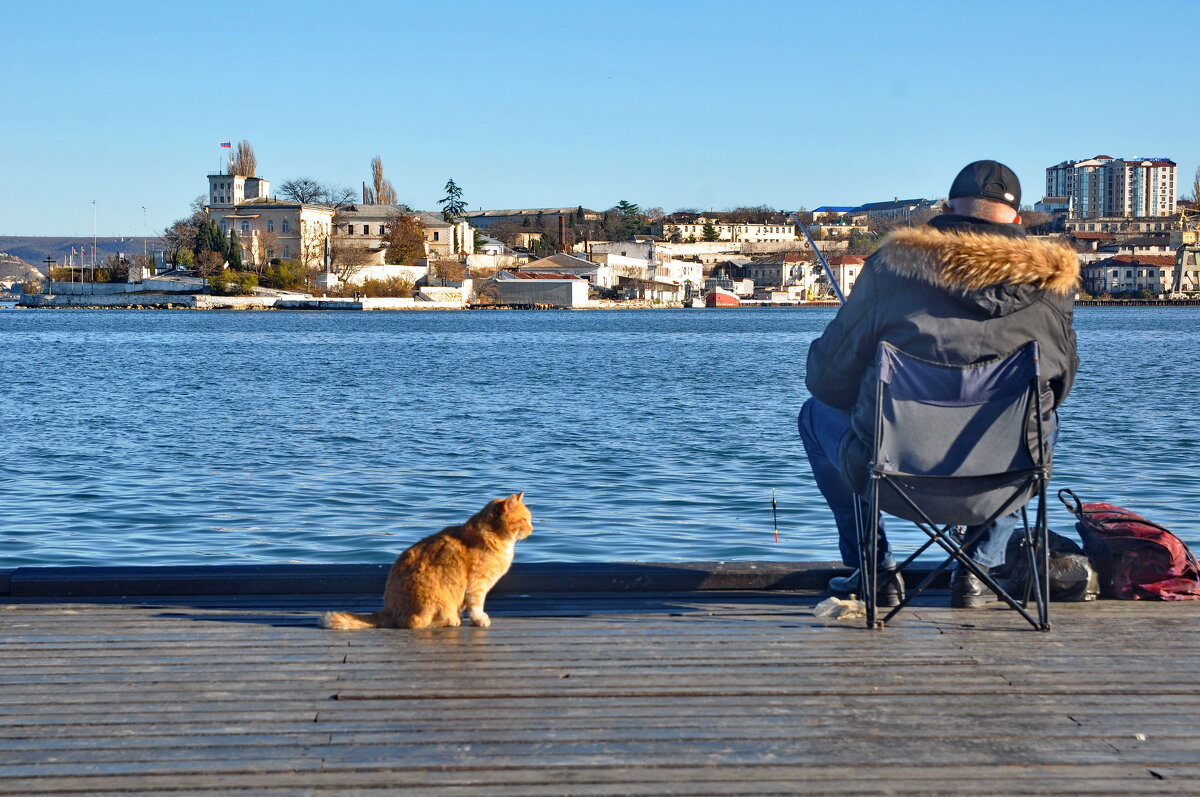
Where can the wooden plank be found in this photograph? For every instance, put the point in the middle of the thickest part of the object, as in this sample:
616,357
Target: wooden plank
226,693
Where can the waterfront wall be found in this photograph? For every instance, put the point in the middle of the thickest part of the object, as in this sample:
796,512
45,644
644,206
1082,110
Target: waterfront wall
173,285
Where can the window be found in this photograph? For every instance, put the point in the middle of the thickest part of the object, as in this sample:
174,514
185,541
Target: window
366,229
222,226
285,228
435,235
270,254
270,225
245,226
381,229
349,229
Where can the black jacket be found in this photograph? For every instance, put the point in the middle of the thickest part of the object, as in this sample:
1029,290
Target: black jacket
960,290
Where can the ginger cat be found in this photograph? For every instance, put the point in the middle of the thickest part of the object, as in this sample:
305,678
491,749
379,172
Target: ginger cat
435,579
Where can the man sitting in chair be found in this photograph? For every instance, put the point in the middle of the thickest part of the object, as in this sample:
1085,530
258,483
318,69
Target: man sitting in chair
966,288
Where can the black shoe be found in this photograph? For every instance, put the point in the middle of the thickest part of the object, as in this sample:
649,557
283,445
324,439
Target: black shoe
891,586
967,591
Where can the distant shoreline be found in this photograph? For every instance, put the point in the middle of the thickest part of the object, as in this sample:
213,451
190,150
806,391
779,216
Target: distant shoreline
204,302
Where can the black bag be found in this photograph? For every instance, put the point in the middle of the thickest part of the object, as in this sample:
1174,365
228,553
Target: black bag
1072,576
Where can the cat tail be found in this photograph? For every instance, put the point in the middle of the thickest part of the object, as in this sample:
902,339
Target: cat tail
348,621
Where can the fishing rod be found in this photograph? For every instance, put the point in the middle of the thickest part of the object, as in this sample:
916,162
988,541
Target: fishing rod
837,290
775,515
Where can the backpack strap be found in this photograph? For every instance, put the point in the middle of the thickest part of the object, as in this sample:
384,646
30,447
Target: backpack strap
1077,509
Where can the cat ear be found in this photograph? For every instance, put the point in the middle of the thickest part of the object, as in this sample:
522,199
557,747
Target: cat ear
513,500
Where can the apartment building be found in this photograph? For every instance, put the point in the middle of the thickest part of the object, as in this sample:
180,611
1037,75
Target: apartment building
1108,187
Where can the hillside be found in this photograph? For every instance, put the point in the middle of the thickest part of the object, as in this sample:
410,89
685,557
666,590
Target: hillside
35,249
14,269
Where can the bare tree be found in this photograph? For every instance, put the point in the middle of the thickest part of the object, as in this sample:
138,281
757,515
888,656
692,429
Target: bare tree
302,189
336,196
381,192
449,270
182,232
266,248
209,263
311,244
241,160
308,191
349,257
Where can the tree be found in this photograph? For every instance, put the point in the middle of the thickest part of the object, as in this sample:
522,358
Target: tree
1036,221
235,251
210,239
181,235
632,220
381,192
862,243
266,249
241,159
546,245
310,192
449,270
336,196
709,232
612,225
755,214
405,240
302,189
349,257
453,206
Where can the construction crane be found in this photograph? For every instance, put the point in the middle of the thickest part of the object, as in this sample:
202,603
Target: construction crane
1184,238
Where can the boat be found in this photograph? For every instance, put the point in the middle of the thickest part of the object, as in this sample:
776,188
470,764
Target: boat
719,297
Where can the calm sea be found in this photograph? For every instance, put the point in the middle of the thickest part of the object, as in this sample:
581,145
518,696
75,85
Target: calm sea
159,437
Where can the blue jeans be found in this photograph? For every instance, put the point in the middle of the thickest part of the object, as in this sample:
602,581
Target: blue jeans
822,428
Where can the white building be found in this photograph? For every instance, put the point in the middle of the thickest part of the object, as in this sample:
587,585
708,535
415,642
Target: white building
687,227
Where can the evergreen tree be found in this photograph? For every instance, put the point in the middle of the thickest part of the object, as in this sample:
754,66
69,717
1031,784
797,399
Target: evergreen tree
235,251
453,206
710,232
631,218
579,218
209,238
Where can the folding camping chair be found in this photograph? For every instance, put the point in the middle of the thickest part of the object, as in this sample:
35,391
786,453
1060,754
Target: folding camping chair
954,447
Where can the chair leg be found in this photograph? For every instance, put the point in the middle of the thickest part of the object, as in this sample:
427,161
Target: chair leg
872,531
866,558
1043,529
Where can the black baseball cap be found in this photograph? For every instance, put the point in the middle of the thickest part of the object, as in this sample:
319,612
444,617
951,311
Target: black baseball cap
989,180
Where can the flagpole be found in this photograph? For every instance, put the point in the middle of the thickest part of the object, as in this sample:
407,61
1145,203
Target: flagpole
93,239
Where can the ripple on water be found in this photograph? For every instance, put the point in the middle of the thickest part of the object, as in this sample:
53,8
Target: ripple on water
174,438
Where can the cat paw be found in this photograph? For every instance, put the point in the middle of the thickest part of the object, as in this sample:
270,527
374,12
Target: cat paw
481,620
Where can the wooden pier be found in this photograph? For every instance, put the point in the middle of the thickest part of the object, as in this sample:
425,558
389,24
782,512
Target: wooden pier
726,688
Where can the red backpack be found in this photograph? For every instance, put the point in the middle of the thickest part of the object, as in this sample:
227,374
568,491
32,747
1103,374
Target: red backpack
1136,559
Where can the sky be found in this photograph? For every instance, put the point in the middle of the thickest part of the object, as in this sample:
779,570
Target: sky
698,104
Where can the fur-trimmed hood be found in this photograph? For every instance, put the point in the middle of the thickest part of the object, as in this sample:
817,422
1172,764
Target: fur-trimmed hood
971,261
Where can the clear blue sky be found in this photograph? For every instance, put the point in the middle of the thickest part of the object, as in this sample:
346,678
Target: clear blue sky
539,104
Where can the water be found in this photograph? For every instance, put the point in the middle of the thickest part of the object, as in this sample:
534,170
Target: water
159,437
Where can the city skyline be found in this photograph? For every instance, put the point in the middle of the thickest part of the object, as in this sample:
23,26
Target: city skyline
542,105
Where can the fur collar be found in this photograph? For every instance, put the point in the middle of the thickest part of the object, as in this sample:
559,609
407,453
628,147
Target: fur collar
971,261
